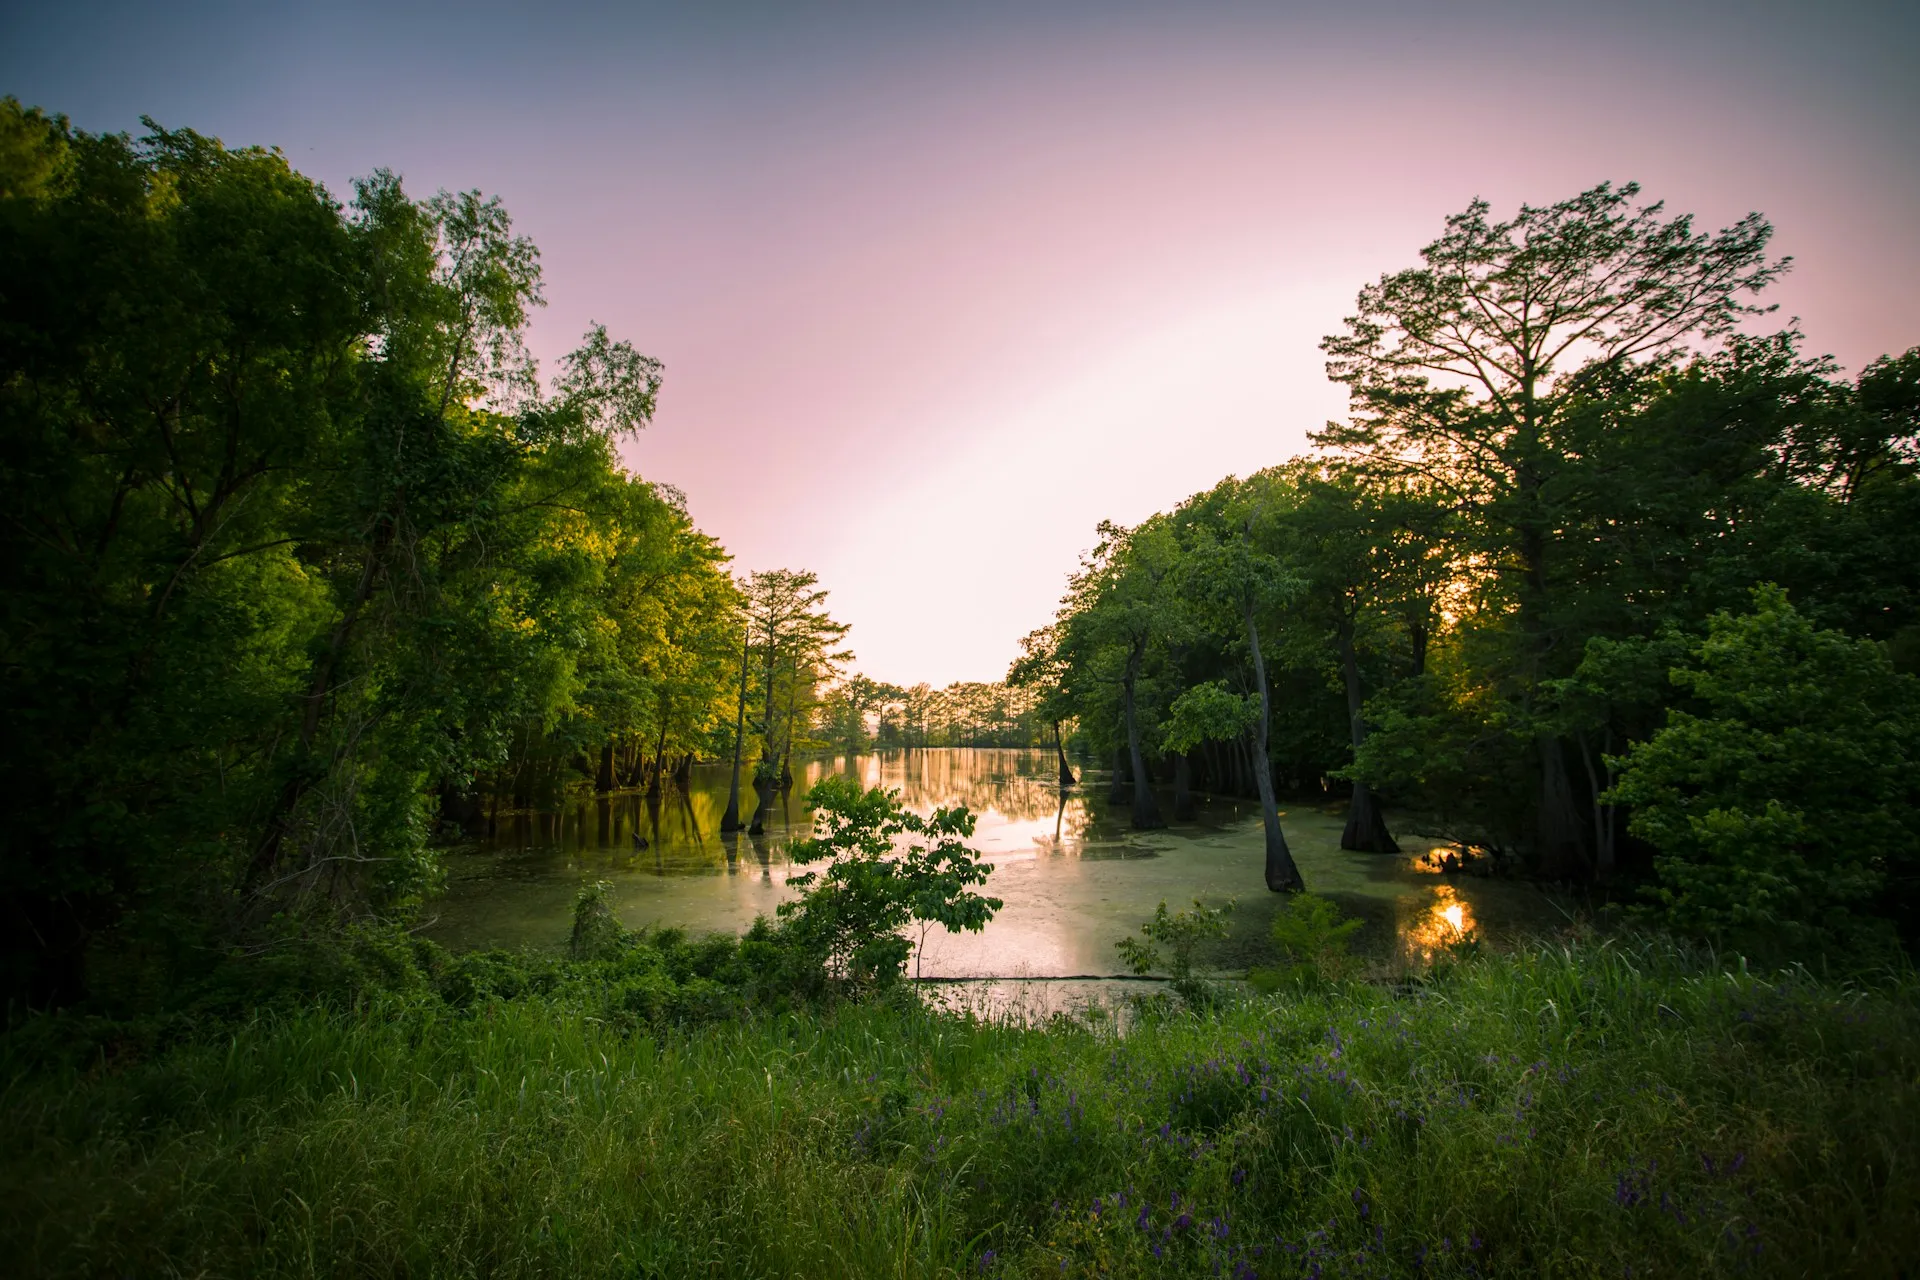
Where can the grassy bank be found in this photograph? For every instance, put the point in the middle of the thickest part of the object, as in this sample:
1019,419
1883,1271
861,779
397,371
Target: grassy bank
1589,1109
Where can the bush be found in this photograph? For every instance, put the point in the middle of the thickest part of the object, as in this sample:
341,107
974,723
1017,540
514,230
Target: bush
1789,804
597,935
1181,933
887,868
1315,942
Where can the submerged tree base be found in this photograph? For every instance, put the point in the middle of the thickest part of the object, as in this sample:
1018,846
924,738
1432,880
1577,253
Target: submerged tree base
1366,830
1281,874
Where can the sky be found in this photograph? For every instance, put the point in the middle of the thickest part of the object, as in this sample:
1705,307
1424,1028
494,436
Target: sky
940,287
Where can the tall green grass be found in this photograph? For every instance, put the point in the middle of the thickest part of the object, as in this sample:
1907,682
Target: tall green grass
1582,1110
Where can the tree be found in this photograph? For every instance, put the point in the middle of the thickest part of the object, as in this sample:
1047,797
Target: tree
789,627
1674,492
886,868
1118,607
178,338
1044,670
300,546
1787,800
1370,558
454,287
847,706
1229,577
730,820
1467,370
659,633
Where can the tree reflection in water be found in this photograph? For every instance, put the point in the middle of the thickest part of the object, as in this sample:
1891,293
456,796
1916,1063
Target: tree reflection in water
1014,794
1074,874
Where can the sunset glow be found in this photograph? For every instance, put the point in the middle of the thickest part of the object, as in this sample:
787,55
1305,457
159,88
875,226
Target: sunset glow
905,271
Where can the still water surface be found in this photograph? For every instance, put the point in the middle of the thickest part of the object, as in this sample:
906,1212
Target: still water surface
1074,875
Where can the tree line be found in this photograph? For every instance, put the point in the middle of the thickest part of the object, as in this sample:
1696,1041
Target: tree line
304,565
859,714
1593,579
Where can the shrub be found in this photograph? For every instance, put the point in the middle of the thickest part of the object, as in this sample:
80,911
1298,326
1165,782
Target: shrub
1315,941
1181,933
1790,802
597,935
886,869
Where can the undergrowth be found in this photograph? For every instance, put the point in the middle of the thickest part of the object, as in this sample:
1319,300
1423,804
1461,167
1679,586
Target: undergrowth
1586,1109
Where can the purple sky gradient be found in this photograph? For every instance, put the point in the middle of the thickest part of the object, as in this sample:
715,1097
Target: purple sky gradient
936,293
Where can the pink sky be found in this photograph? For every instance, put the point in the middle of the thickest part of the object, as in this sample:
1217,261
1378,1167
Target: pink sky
936,295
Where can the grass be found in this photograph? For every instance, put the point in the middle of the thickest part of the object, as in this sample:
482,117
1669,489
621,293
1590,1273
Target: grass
1586,1109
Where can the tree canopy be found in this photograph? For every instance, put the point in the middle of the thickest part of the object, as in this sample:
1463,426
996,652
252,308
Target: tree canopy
1570,460
305,563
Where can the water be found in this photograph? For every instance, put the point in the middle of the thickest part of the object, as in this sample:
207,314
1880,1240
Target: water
1074,875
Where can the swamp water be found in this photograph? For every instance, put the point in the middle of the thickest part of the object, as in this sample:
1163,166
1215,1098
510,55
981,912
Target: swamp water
1074,875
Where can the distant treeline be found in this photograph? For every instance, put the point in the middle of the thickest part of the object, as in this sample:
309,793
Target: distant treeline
1592,580
859,713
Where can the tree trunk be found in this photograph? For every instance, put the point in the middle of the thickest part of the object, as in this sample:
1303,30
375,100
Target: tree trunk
1120,788
1598,781
760,810
1182,789
786,736
766,707
462,809
1283,876
603,780
266,856
1366,830
730,820
659,761
1146,810
1561,842
683,773
1060,749
1560,835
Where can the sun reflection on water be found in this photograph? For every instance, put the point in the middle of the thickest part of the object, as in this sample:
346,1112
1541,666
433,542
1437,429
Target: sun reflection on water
1441,859
1444,921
